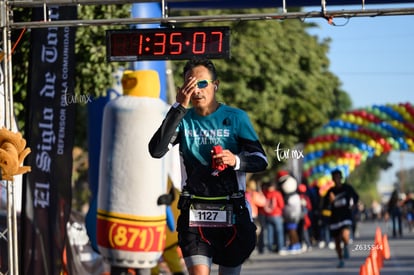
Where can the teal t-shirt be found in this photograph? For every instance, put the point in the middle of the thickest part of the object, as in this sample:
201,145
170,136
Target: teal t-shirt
225,127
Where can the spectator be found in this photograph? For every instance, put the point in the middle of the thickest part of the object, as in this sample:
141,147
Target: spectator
256,199
292,210
408,208
325,238
394,210
313,193
262,221
274,220
305,221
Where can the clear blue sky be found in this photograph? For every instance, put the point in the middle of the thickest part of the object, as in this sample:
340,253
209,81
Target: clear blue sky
374,59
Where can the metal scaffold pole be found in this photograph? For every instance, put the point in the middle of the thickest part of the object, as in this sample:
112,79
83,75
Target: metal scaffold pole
8,118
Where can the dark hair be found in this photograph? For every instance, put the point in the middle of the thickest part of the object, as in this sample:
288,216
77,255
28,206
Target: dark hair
200,62
336,172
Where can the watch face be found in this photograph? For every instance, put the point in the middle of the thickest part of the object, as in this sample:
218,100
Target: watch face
164,44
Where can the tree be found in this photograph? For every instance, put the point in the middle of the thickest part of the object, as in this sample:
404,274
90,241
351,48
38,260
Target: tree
93,72
405,180
280,75
366,176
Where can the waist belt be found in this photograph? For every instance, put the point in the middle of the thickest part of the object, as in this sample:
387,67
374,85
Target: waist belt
237,200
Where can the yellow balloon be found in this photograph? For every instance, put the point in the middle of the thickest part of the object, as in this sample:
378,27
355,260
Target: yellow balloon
372,143
309,148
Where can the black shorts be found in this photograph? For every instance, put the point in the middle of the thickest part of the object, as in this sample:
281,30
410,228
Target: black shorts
227,246
336,228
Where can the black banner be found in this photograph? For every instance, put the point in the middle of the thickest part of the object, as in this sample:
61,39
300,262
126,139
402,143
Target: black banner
50,133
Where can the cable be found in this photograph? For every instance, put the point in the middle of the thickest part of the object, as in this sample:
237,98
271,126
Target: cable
14,45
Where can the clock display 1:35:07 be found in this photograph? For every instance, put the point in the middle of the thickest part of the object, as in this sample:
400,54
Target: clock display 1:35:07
154,44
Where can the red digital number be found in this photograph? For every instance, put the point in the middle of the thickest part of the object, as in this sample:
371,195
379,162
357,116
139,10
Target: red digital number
196,42
159,46
140,45
176,46
220,40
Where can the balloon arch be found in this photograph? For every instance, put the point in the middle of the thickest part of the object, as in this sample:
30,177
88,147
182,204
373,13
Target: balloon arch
356,135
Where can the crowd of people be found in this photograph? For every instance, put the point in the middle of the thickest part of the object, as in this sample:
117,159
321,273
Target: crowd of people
293,217
398,212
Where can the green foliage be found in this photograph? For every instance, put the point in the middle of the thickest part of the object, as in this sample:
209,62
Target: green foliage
366,176
405,180
80,187
93,72
20,63
94,75
280,75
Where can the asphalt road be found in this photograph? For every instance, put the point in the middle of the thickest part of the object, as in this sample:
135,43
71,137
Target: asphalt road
324,261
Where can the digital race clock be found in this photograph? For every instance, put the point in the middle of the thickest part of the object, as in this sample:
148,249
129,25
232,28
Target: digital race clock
168,43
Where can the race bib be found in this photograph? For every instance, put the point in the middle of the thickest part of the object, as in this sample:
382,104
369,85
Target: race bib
211,215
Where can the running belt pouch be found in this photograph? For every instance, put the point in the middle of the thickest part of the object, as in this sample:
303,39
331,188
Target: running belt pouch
239,202
184,202
202,183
